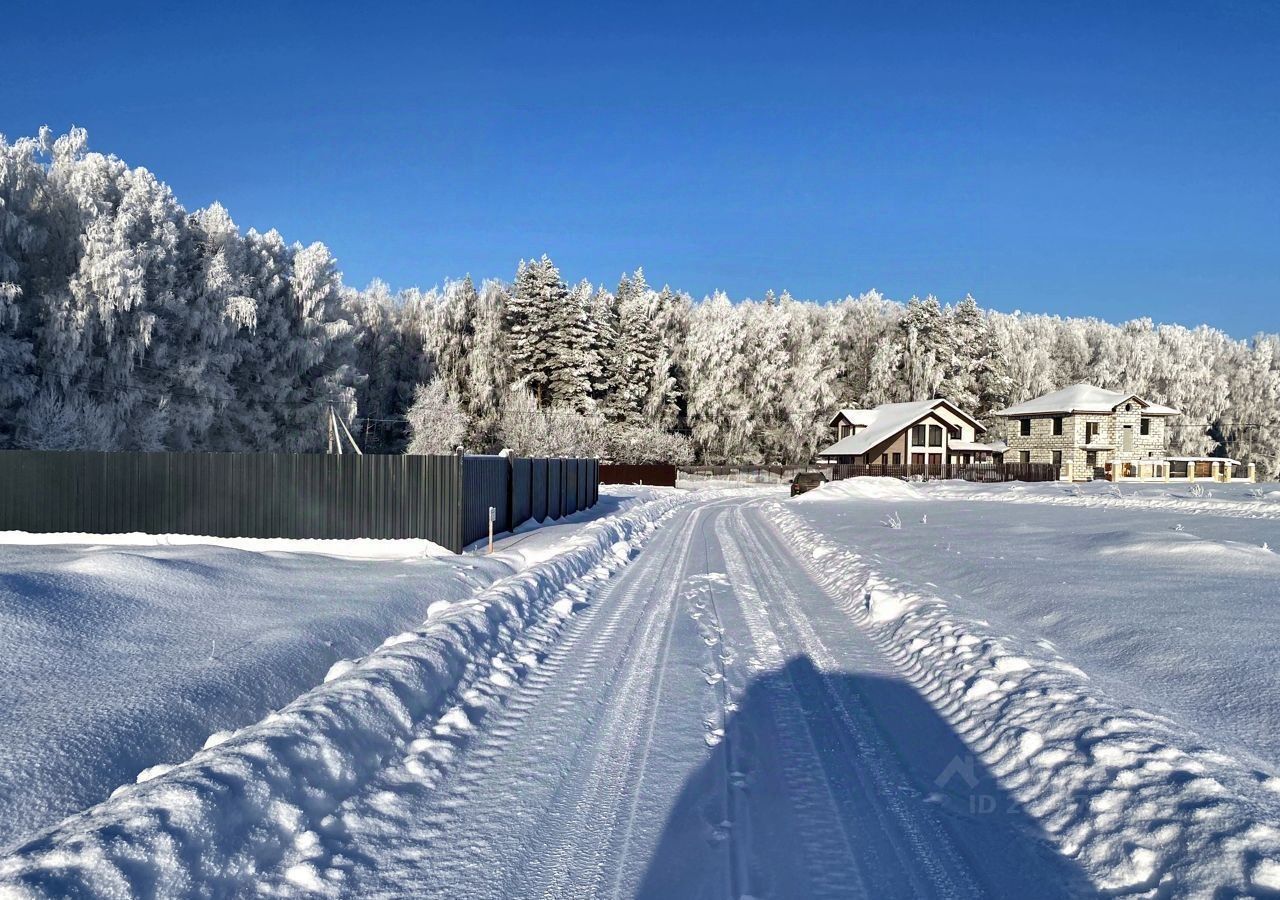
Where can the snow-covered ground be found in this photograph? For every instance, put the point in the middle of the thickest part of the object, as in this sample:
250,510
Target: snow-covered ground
729,693
1113,655
119,653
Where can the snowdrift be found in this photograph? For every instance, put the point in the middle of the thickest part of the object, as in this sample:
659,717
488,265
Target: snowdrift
869,488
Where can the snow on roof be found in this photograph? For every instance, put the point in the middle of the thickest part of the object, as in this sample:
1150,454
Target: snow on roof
854,416
882,423
1083,398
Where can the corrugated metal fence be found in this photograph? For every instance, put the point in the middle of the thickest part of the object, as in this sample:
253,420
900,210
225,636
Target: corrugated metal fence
444,499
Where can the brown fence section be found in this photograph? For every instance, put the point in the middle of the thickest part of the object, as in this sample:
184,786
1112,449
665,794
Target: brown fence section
985,473
657,474
445,499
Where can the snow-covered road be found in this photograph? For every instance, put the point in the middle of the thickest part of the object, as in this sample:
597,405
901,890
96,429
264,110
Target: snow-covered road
719,695
706,725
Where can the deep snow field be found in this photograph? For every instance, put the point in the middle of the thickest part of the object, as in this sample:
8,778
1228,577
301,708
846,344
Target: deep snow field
120,653
1113,655
1164,600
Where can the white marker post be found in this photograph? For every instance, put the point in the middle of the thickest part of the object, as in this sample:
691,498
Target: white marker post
493,515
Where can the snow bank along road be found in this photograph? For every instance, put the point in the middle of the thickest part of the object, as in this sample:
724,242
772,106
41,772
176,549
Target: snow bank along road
702,696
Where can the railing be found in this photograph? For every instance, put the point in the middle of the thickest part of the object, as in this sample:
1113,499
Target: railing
979,472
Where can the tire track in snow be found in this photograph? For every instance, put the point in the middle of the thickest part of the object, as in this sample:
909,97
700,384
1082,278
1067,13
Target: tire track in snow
618,766
825,837
916,840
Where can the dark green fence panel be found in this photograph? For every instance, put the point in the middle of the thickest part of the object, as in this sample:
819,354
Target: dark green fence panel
570,476
485,483
538,489
521,490
555,490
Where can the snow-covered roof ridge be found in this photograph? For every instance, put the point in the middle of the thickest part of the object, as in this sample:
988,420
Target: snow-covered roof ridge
854,416
883,422
1083,398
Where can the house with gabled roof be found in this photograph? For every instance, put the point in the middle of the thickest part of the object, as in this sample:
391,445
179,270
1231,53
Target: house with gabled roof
918,434
1090,432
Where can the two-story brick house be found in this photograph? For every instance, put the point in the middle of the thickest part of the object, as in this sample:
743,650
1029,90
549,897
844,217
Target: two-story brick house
1088,432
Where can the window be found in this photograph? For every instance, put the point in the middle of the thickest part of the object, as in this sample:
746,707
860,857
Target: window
1145,426
935,435
1057,458
1057,424
1024,456
897,459
1091,459
1026,427
917,459
918,435
1091,431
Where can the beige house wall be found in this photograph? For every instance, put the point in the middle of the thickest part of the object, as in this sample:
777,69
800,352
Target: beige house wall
1108,444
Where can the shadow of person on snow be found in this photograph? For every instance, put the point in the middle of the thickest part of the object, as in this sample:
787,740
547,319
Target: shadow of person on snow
848,785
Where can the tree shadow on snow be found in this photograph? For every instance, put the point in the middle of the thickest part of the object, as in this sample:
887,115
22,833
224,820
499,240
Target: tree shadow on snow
848,785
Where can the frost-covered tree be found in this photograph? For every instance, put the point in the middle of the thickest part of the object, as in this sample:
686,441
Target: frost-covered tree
127,323
530,429
536,327
437,422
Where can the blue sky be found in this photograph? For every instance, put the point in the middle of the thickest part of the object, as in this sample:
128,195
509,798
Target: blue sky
1109,159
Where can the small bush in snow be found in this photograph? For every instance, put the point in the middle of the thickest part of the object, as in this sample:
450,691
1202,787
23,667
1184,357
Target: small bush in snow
892,521
1196,490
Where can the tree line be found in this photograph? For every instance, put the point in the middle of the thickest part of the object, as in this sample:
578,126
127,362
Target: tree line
127,322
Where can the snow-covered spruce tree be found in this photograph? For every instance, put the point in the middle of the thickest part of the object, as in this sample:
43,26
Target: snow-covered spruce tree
635,352
602,342
535,315
572,363
437,422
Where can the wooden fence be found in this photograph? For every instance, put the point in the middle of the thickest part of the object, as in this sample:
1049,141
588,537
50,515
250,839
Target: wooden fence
981,472
444,499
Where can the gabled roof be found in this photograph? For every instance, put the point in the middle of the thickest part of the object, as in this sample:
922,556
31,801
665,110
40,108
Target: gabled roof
885,421
854,416
1083,398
